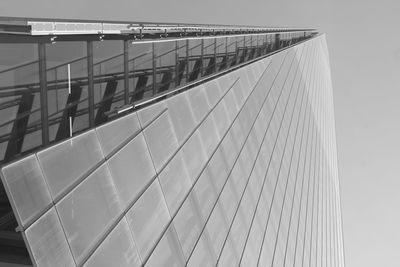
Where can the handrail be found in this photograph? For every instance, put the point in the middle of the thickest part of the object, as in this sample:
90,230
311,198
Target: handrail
173,77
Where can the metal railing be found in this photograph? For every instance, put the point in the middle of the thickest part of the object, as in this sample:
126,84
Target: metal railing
75,83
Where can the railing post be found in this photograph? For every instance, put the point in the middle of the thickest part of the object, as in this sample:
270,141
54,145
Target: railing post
126,72
43,93
90,82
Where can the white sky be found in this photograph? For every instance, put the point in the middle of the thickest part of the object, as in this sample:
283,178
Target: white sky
364,42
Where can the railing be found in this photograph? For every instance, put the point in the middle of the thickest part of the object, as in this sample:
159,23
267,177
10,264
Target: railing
50,91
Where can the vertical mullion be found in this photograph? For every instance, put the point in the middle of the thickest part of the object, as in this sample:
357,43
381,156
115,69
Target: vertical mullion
154,68
90,82
177,63
187,60
202,58
126,72
43,93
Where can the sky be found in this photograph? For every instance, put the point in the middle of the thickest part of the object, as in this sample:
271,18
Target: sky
364,44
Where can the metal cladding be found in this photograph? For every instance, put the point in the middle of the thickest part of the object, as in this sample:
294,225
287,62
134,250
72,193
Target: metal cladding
240,170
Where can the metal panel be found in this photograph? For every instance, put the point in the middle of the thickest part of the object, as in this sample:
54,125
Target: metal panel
131,169
219,169
213,92
168,251
47,242
27,189
229,256
188,224
204,193
194,156
198,102
148,114
217,228
88,211
231,104
175,182
209,135
148,219
63,164
181,116
115,133
229,199
161,140
202,255
222,118
118,249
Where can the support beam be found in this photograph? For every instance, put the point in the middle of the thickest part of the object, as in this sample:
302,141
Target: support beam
165,81
196,70
20,124
106,102
69,111
140,88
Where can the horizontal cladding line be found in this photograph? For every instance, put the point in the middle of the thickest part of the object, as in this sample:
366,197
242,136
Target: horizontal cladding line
206,163
130,205
67,190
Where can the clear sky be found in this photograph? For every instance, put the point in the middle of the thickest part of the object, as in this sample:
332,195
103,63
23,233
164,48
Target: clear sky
364,43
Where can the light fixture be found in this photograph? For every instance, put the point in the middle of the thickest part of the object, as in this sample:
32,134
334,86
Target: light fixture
53,39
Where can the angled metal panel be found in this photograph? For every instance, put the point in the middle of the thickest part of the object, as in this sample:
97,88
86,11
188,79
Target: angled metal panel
67,162
27,189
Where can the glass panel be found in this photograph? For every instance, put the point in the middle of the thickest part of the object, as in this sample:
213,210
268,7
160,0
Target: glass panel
148,219
183,60
118,249
209,57
140,71
232,51
166,55
88,211
195,59
221,53
20,120
108,72
132,169
47,242
67,84
65,163
27,188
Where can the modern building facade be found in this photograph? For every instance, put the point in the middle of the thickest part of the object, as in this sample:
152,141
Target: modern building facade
167,145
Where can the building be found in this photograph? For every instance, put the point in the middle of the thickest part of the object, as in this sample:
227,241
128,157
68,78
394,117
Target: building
128,144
